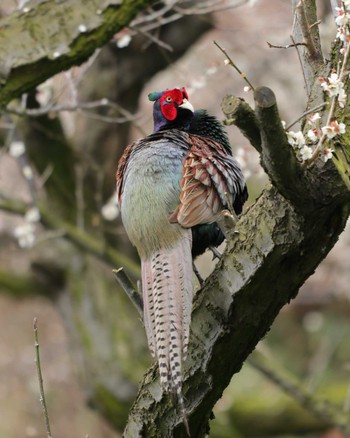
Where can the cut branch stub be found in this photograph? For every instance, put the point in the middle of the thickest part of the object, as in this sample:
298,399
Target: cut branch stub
239,113
278,157
263,128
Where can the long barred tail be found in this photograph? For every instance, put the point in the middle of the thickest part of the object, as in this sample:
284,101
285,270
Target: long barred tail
167,283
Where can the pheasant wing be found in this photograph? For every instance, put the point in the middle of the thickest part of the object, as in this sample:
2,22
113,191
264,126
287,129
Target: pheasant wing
211,181
122,165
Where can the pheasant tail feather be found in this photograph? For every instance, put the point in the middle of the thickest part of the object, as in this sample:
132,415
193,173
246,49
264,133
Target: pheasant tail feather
167,283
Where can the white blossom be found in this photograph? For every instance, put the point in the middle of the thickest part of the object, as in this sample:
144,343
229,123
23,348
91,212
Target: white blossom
25,235
341,34
17,148
305,153
123,41
327,154
346,4
82,28
110,210
342,98
27,172
342,18
246,89
313,118
296,138
32,215
312,135
333,86
333,129
226,61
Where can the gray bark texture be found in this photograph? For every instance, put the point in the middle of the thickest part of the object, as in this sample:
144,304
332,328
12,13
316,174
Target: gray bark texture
276,246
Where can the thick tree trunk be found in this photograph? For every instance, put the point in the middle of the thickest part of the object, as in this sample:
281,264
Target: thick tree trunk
276,246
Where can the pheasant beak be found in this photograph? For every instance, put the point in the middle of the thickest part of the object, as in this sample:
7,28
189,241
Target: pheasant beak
186,105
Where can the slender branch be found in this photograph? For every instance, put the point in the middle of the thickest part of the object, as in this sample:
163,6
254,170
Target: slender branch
300,62
287,46
37,112
129,289
82,107
289,384
153,38
243,75
40,378
79,237
304,114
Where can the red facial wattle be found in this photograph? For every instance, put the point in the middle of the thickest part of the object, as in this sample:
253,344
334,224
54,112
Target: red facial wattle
170,101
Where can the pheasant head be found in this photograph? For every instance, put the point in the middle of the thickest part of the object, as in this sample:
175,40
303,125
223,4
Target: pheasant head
171,109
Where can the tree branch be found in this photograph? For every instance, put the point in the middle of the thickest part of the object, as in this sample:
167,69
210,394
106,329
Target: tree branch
36,49
239,113
79,237
237,298
278,158
326,413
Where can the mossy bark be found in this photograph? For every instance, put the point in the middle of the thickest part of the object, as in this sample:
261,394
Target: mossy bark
40,41
278,244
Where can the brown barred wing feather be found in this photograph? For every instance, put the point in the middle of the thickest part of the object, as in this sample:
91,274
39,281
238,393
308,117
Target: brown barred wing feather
211,181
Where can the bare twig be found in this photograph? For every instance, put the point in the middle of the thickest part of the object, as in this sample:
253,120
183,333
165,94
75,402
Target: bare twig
300,61
153,38
37,112
310,111
230,61
40,378
173,10
129,289
287,46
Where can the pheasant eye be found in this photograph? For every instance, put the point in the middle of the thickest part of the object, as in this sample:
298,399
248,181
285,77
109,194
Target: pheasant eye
168,99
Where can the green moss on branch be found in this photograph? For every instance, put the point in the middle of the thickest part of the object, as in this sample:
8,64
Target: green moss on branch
53,36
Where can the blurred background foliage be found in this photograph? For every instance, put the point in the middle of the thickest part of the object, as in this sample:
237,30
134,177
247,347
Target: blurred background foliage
92,341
